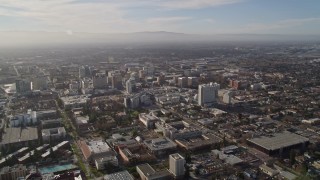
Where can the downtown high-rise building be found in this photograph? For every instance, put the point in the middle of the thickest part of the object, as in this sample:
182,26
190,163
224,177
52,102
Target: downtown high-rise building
23,86
208,93
130,86
176,164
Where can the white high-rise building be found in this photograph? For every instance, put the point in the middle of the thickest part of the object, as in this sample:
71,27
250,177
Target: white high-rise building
208,93
227,97
129,84
176,164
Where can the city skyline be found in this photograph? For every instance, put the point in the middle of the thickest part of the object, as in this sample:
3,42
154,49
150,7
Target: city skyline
188,16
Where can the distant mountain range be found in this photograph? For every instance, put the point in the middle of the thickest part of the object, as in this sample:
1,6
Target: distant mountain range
22,38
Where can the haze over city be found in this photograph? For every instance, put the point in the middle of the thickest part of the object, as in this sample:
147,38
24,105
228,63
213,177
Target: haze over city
159,89
32,20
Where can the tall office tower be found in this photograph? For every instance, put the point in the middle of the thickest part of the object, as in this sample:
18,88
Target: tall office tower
129,84
82,72
100,81
193,81
208,93
161,79
142,74
87,71
175,79
227,97
176,164
116,82
183,82
39,83
23,86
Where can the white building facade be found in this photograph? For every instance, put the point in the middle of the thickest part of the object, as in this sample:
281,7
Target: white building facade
176,164
208,93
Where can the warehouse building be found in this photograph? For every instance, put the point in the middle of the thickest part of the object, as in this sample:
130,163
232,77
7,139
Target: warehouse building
279,143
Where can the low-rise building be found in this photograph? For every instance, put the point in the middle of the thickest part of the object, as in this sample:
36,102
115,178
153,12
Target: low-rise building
61,145
46,114
51,123
146,172
230,159
122,175
279,143
313,121
82,123
27,119
70,102
205,122
19,137
134,153
160,146
200,142
268,170
101,162
14,172
27,156
178,130
137,100
98,152
148,120
53,134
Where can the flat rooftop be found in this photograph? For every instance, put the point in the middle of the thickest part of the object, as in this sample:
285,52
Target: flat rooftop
230,159
17,134
82,119
279,140
98,147
50,121
148,171
176,156
53,131
160,144
74,99
122,175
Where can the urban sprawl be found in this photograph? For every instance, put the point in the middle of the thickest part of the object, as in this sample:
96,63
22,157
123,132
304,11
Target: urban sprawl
217,112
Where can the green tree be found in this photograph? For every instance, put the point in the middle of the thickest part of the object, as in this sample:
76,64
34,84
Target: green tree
304,168
133,171
36,154
93,117
110,168
224,141
240,175
292,157
187,172
197,171
86,109
52,154
59,102
134,114
134,133
188,157
215,176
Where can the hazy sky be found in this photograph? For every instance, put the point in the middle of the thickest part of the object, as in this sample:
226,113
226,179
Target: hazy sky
186,16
